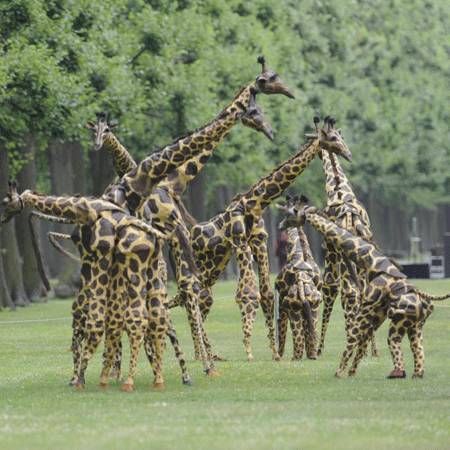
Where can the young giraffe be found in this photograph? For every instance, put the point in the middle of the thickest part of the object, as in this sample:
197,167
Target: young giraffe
165,208
344,208
214,241
388,294
298,285
112,232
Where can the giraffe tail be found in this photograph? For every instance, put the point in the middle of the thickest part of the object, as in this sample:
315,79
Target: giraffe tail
435,298
54,239
306,309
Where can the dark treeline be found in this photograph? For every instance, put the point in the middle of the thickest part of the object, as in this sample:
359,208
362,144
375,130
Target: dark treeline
162,67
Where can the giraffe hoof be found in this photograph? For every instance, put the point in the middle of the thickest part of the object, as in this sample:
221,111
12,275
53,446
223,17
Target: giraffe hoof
339,375
417,375
127,387
73,382
276,357
396,373
79,386
351,373
313,356
375,354
187,381
250,358
159,386
213,373
218,358
103,386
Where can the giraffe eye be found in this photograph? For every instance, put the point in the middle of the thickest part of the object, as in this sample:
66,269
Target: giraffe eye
333,138
106,130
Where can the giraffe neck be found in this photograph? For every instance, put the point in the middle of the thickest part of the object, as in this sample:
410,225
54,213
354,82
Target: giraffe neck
76,210
122,160
305,245
137,185
295,251
261,194
361,252
337,185
177,181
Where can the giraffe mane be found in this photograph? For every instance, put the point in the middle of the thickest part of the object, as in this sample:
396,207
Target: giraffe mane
302,149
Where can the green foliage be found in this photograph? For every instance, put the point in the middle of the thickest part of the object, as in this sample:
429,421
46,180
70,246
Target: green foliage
162,67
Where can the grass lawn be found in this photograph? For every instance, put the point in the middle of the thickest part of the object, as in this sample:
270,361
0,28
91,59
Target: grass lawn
262,405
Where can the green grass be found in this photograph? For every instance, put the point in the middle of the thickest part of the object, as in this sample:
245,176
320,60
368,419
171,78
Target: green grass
261,405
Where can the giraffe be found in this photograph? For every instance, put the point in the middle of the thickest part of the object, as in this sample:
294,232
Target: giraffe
298,285
340,274
134,187
214,241
79,306
388,294
113,234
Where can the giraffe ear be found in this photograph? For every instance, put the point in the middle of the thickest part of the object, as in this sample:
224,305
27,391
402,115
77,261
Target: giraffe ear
113,124
90,125
12,185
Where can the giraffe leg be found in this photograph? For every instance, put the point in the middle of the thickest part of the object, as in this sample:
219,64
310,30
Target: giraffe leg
330,288
298,341
115,313
360,352
247,296
311,335
156,331
136,331
95,327
185,377
248,315
198,332
395,336
415,337
116,369
205,302
112,347
267,297
282,331
79,313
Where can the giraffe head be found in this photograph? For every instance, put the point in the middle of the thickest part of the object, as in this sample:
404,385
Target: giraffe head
330,138
100,129
12,203
254,118
269,82
293,208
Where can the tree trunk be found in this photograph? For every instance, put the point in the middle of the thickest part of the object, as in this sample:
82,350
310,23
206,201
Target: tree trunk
5,298
12,263
60,156
79,168
27,180
102,171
